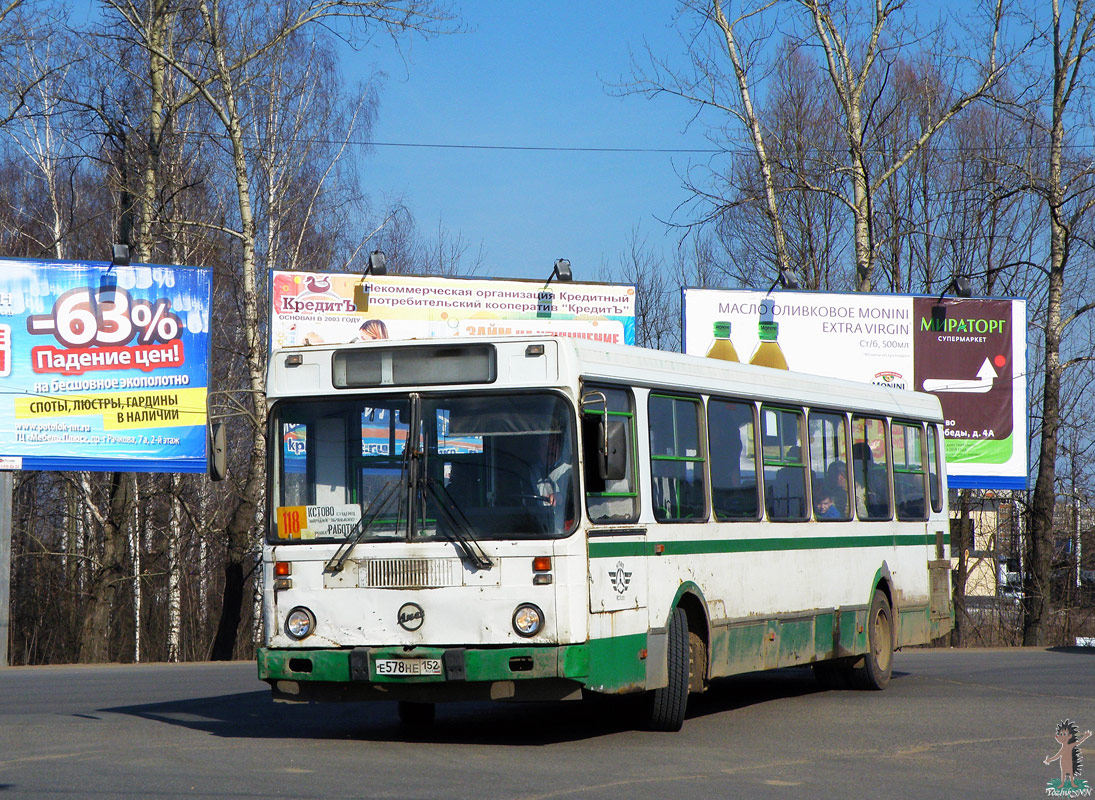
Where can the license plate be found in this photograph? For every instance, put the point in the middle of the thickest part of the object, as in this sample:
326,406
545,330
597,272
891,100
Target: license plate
409,666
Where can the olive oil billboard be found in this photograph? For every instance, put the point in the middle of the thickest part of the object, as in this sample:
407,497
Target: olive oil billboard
970,353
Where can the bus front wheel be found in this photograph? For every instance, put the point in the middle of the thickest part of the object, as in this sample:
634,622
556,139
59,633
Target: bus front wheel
877,666
667,705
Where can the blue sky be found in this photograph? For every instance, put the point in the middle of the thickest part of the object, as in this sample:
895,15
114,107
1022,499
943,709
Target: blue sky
533,75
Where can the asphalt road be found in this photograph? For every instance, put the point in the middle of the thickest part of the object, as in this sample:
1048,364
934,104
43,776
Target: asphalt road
952,724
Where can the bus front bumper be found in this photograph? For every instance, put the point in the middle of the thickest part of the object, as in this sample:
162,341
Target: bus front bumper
466,673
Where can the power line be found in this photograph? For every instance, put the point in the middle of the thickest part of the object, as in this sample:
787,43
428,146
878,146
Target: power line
739,151
736,151
488,147
532,148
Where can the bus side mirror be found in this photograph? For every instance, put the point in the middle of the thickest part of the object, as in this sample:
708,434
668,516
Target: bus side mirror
606,450
614,456
218,453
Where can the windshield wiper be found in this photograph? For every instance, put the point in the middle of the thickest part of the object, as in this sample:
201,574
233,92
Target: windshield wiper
460,533
411,472
415,486
358,532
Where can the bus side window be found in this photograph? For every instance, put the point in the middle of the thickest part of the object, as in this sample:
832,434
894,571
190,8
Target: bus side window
731,431
613,500
676,459
908,471
784,466
869,473
829,466
933,469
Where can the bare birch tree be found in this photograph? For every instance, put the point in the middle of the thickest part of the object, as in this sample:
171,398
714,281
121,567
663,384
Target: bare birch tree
219,66
856,43
855,55
99,576
799,118
657,293
1064,182
714,38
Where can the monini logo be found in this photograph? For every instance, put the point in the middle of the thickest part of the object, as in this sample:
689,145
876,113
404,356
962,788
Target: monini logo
1071,760
895,380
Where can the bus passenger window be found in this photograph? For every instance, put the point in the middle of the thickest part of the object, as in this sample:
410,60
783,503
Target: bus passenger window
732,443
829,466
908,471
869,472
615,501
933,469
784,466
676,459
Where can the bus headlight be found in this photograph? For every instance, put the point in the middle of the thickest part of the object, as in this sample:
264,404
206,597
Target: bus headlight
300,623
528,620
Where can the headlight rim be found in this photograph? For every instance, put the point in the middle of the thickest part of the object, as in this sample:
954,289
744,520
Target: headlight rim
309,616
542,620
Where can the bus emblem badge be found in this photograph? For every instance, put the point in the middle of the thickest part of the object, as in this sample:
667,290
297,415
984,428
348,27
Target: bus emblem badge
620,578
411,616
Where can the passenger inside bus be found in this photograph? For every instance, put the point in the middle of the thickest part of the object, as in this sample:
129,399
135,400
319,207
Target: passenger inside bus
785,491
836,477
871,492
733,460
824,507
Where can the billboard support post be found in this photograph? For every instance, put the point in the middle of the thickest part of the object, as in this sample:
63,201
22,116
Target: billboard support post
5,565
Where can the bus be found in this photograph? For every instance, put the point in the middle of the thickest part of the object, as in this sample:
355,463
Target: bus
540,518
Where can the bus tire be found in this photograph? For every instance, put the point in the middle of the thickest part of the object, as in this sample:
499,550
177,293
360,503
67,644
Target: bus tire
874,673
416,715
667,705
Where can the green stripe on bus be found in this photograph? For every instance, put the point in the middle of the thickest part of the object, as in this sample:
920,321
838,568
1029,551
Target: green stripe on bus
709,546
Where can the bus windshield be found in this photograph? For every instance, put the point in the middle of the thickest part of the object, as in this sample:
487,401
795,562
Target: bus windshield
484,466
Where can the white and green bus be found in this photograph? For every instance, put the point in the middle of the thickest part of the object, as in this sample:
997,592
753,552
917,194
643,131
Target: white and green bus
539,518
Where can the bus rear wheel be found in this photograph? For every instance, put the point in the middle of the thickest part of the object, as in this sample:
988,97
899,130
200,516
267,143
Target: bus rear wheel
666,706
877,666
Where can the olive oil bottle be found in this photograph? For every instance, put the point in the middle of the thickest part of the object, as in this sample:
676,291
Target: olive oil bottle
768,352
722,348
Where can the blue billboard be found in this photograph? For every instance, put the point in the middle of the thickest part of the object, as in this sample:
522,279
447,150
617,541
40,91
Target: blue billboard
103,367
